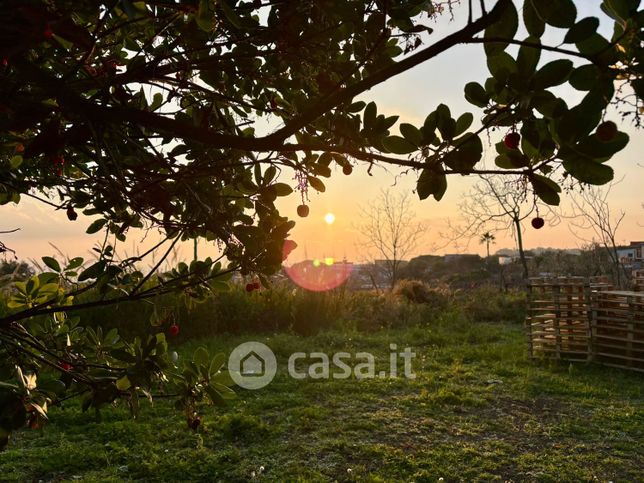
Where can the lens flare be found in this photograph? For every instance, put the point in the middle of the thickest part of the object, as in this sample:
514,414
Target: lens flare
329,218
317,275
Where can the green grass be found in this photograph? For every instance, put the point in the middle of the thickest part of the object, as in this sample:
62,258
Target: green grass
477,411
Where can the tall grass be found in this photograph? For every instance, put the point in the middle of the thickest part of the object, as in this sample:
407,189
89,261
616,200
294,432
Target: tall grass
286,309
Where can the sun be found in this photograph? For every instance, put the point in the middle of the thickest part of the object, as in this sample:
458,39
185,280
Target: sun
329,218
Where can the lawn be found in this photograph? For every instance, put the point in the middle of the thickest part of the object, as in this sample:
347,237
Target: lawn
478,410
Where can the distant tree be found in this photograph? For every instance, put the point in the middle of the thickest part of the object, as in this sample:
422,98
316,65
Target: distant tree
389,230
591,211
15,270
487,238
499,203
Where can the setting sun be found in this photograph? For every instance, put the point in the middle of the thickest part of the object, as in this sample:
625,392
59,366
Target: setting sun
329,218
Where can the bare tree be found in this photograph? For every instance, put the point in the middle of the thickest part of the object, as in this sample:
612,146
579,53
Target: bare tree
591,212
390,230
498,204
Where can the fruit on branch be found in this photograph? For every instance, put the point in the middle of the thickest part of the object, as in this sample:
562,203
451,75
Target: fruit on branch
303,211
250,287
71,213
537,223
512,140
174,330
257,285
347,169
606,131
66,366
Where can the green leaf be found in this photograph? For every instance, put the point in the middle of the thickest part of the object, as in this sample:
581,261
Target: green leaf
582,30
552,74
475,94
282,189
15,161
369,116
316,184
558,13
585,77
467,153
206,15
93,271
546,189
501,65
96,226
201,357
463,123
589,171
230,14
504,28
398,145
534,23
51,263
412,134
432,181
123,384
528,57
74,263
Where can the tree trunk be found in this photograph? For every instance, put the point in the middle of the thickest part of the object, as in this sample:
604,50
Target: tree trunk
524,263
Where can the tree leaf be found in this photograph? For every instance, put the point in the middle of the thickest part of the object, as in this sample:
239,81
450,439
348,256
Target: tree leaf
534,23
475,94
432,181
398,145
582,30
316,184
51,263
558,13
588,170
96,226
552,74
412,134
504,28
546,189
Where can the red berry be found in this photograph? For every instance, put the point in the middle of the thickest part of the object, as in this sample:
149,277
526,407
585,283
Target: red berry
606,131
66,366
257,285
303,211
5,62
512,140
58,161
71,213
48,33
347,169
174,329
537,223
250,287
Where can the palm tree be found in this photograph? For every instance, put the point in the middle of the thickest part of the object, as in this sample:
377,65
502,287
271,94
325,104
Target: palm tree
487,238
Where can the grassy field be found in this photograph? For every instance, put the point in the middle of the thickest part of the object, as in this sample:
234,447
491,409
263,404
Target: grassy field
478,410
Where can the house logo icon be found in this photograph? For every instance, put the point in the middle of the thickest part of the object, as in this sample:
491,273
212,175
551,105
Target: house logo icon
252,365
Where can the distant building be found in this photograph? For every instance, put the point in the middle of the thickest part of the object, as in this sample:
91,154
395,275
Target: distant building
631,255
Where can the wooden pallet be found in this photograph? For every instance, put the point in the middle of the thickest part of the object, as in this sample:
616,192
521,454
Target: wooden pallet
617,329
558,318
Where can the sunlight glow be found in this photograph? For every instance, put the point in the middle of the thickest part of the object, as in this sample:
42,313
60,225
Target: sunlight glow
329,218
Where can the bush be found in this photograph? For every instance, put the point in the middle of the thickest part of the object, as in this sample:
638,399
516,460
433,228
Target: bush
487,304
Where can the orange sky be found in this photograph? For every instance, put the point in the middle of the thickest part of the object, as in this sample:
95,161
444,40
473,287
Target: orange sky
411,96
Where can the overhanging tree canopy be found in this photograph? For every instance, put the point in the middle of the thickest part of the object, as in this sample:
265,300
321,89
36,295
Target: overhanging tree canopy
146,113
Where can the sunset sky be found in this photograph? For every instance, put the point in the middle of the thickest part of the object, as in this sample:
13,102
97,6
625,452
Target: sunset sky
411,96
